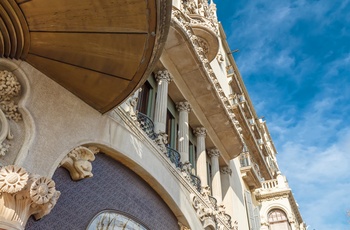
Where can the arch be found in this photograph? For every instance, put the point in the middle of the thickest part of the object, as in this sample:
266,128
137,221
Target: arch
113,187
165,188
115,219
278,220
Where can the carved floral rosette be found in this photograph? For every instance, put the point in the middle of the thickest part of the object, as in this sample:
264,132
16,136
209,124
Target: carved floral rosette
10,88
24,194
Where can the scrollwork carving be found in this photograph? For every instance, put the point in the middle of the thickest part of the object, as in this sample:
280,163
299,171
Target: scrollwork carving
78,162
9,89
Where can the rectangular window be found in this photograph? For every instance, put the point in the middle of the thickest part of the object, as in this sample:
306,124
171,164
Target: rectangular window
193,156
250,211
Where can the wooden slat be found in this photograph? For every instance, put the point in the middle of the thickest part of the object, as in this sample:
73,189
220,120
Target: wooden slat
6,38
96,89
10,29
87,15
112,54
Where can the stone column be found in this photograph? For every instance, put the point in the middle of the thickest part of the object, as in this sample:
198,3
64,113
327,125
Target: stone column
202,173
163,78
184,109
227,191
215,175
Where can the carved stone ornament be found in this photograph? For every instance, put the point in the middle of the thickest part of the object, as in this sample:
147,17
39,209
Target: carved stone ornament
23,194
183,106
202,211
200,131
163,75
183,227
78,162
213,153
9,89
226,170
162,141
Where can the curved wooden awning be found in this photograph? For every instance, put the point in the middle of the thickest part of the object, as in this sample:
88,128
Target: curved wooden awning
100,50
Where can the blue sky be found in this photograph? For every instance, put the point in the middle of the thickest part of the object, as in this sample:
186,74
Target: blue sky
295,60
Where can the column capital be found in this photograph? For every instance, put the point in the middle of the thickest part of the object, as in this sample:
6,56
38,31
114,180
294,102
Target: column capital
183,106
213,152
163,75
226,170
200,131
25,194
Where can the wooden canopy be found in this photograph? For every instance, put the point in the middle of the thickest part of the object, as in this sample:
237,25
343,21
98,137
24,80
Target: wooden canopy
100,50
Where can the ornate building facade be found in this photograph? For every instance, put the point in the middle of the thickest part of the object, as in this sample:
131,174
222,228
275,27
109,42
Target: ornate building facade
131,119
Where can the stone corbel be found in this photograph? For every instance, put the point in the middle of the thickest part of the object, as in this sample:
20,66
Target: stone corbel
78,162
23,194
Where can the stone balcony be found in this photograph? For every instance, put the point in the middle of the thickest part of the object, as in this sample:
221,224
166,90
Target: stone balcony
205,206
250,171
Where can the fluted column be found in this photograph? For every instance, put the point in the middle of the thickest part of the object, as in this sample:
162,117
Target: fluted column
215,174
163,78
184,109
227,191
201,133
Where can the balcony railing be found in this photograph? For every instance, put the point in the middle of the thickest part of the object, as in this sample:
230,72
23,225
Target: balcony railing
247,160
196,182
270,184
174,157
146,125
250,171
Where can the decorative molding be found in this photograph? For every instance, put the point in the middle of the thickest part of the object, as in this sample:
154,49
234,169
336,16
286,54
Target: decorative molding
184,22
10,88
226,170
78,162
163,75
183,106
200,131
162,140
183,227
24,194
213,152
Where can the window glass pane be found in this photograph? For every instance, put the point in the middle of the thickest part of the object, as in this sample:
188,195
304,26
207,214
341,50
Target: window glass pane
113,220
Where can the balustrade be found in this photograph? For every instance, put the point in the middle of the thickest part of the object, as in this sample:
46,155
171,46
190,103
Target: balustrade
270,184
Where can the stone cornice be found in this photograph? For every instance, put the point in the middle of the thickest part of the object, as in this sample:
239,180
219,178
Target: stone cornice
182,22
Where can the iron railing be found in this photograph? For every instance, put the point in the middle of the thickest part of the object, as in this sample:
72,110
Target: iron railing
174,157
146,125
196,182
213,201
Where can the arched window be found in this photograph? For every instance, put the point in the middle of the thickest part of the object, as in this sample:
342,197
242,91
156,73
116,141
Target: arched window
114,220
278,220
